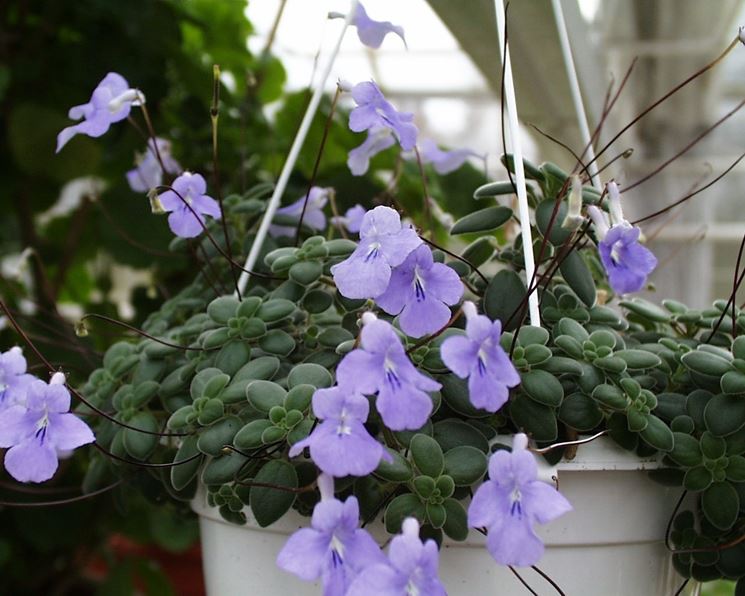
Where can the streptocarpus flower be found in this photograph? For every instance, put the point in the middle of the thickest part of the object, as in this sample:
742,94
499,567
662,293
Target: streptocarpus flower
479,356
190,188
14,380
382,367
334,549
352,219
444,162
626,262
411,568
511,502
384,243
374,110
148,173
419,292
314,217
378,139
371,32
340,445
111,102
37,432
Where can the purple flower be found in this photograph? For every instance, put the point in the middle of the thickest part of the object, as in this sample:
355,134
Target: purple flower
480,357
340,445
510,502
444,162
190,188
419,292
148,173
381,366
374,111
626,262
111,102
14,381
352,219
411,568
371,32
378,139
314,216
37,432
384,243
333,549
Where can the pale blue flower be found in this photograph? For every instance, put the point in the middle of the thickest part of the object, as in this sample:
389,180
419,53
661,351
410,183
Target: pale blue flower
352,219
188,189
444,162
14,380
148,174
314,217
374,111
378,139
370,31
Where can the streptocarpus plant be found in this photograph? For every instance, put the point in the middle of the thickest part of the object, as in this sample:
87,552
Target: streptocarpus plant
347,383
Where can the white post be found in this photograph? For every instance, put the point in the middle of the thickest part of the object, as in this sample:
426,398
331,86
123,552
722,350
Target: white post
522,193
297,145
579,107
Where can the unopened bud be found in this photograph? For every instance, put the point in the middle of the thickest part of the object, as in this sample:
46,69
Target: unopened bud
58,378
344,85
81,329
155,205
574,219
628,153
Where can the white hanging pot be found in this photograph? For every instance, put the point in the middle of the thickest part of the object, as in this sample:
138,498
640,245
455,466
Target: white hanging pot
611,544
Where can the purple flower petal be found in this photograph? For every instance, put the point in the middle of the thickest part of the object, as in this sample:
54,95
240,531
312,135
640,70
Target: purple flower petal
378,139
188,191
31,461
68,432
374,111
371,32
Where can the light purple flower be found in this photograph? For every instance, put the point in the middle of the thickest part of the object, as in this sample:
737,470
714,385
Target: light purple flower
419,292
314,217
411,568
352,219
191,188
148,173
626,261
378,139
14,380
479,356
111,102
444,162
382,367
333,549
340,445
39,431
511,502
384,243
371,32
374,110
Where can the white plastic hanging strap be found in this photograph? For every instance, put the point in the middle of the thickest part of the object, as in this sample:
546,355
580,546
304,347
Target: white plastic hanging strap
297,145
522,193
579,106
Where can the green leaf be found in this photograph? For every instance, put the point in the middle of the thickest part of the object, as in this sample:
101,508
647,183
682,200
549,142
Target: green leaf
638,359
713,447
657,434
479,251
610,396
494,189
736,468
215,385
610,364
262,368
248,307
567,326
686,450
275,309
317,301
138,444
436,514
427,455
733,382
465,465
222,309
211,411
577,274
528,335
482,220
452,432
696,403
264,395
270,504
580,412
725,414
200,380
309,374
182,474
277,342
456,524
537,420
543,212
706,363
646,310
212,440
399,470
455,394
299,397
697,479
403,506
220,470
503,297
720,504
249,437
542,387
306,272
559,365
232,356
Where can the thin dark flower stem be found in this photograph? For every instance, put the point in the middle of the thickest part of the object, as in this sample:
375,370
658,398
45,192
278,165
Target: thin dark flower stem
139,130
211,238
208,265
37,490
560,143
145,464
214,119
425,340
273,31
545,576
734,288
522,581
72,390
458,257
624,154
731,301
151,132
672,519
119,230
425,191
203,270
667,95
568,443
145,334
685,149
317,163
337,217
59,502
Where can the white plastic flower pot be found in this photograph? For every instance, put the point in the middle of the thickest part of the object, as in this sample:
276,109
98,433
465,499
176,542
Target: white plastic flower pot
610,545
